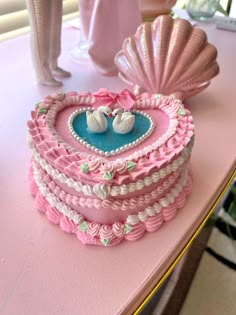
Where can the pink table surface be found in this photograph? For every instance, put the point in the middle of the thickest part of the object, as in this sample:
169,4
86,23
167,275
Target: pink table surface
45,271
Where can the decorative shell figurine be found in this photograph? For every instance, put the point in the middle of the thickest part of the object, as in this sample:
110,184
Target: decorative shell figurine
169,57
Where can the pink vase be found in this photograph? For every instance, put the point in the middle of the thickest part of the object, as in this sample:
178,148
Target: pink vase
105,25
152,8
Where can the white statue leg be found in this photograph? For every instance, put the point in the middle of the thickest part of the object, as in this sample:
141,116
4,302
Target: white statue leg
55,38
39,17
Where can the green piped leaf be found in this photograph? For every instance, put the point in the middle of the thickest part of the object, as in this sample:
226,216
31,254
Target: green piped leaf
130,165
83,226
158,96
182,111
108,175
105,241
84,168
42,111
127,228
37,104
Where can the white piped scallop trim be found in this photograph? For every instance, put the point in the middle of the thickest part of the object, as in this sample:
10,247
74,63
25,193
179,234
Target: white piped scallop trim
164,202
102,191
142,216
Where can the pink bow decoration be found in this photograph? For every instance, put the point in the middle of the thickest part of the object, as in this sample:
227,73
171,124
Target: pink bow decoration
105,98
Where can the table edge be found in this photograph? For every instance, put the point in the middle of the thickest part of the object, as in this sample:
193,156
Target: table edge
186,247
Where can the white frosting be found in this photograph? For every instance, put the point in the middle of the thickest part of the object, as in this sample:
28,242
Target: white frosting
142,216
164,202
102,191
53,200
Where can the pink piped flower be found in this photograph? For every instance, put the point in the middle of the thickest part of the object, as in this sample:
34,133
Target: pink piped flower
106,232
72,93
108,167
120,167
94,165
118,229
58,96
48,100
93,229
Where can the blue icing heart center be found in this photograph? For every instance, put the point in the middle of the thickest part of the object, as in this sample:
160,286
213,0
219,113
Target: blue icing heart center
110,140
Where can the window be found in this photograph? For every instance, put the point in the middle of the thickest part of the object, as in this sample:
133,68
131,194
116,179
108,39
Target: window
14,16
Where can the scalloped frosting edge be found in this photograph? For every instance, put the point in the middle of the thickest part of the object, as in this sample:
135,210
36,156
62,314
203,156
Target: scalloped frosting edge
132,229
102,190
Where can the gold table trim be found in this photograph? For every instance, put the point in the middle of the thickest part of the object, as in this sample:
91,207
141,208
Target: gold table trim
175,262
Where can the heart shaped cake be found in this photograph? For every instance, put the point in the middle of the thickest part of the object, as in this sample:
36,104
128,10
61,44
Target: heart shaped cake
109,167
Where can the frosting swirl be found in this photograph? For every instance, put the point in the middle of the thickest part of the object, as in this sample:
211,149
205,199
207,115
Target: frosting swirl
41,203
101,190
106,232
154,223
67,225
137,232
169,212
93,229
53,215
108,167
94,165
118,229
120,167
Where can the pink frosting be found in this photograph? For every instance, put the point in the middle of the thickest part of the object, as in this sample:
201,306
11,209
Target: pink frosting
94,165
93,229
41,203
120,167
114,242
115,233
33,186
87,239
136,233
118,229
53,215
72,93
154,223
169,212
108,167
67,225
91,207
188,187
106,232
180,200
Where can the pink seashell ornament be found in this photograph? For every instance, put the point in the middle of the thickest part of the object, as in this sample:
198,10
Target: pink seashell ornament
169,57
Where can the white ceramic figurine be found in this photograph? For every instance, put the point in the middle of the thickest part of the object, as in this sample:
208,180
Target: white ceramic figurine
96,121
123,122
